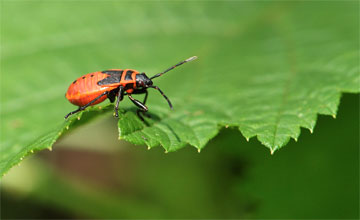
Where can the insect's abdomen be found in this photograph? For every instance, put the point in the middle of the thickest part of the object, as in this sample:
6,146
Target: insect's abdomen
85,89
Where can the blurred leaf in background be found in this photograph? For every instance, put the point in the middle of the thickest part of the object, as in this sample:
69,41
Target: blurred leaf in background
264,67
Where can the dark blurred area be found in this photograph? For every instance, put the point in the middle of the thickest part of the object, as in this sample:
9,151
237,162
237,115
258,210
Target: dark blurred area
315,177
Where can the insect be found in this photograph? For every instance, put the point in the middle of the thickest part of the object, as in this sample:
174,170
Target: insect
94,88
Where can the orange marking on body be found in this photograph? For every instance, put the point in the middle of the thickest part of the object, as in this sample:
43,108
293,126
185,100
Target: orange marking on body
133,76
86,89
122,80
129,91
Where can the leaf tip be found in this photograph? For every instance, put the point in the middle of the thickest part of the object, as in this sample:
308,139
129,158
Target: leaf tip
334,116
272,150
311,130
49,148
166,151
148,147
199,150
78,118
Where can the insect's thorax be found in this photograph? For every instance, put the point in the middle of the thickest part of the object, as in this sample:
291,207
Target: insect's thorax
130,79
115,78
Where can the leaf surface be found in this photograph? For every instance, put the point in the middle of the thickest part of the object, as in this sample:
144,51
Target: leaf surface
265,68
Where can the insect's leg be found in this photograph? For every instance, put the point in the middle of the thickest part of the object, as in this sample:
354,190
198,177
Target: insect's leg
142,107
146,95
144,102
87,105
161,92
73,112
120,97
112,95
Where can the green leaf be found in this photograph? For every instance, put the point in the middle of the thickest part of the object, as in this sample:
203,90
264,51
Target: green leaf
265,68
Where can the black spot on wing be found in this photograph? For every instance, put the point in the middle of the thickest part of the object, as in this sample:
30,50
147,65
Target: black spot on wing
115,78
128,75
112,72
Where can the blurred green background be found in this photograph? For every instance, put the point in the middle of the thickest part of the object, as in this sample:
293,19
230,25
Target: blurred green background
89,174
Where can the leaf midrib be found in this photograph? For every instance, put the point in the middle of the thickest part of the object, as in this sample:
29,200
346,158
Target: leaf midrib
290,56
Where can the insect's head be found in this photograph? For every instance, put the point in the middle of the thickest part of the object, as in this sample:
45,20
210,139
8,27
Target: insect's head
143,81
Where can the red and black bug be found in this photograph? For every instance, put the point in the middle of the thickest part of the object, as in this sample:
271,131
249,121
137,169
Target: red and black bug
93,88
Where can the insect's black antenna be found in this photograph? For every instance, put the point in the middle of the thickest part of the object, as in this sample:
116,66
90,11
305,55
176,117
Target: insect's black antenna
167,99
182,62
